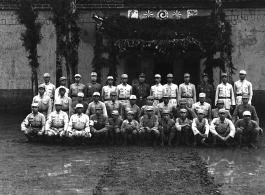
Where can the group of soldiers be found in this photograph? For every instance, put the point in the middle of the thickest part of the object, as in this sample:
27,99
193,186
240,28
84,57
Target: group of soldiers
125,114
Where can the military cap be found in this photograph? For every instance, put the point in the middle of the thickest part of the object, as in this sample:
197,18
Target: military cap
242,72
93,74
58,102
150,97
149,108
202,95
157,76
183,101
98,107
46,75
115,112
80,94
34,105
169,75
132,97
224,74
62,88
205,75
96,94
130,112
222,111
183,110
110,77
245,96
79,106
186,75
246,113
62,78
166,112
220,101
42,86
200,111
113,93
124,76
78,75
142,75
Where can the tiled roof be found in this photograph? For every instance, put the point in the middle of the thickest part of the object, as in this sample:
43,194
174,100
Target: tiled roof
141,4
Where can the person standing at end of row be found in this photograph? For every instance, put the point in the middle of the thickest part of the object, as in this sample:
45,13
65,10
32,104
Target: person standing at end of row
108,89
171,90
141,90
187,90
124,90
242,87
76,87
62,85
225,92
49,87
206,88
92,87
157,90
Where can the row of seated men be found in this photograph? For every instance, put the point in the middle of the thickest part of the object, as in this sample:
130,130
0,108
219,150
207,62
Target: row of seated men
171,123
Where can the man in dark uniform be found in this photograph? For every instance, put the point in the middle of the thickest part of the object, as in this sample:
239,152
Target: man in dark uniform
183,105
206,88
92,87
141,90
166,126
76,88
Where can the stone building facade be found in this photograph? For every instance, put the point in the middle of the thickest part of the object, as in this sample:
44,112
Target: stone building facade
248,30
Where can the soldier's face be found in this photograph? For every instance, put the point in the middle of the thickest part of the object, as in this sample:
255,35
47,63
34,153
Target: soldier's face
132,102
150,102
77,79
96,97
129,117
205,79
225,79
166,100
79,110
124,80
110,81
141,79
202,99
80,99
58,107
115,116
187,79
245,100
166,116
182,105
62,92
242,76
149,112
169,80
222,116
220,105
113,97
200,116
157,80
183,114
63,82
46,79
98,111
34,109
41,91
247,118
93,78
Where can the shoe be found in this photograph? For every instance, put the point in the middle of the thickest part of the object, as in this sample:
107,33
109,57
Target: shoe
238,146
162,144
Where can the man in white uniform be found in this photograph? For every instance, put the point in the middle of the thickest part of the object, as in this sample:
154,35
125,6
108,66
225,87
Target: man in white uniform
157,90
187,91
106,90
124,90
171,90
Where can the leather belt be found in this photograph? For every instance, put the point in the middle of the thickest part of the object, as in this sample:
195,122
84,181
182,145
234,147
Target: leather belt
239,94
185,97
123,98
224,97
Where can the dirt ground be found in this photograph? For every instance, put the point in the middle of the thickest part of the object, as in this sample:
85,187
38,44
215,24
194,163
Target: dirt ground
28,168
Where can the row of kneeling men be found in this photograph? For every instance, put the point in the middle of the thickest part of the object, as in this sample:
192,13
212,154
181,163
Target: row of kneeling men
167,130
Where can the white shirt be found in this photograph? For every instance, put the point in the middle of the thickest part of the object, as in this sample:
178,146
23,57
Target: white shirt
124,91
106,90
226,124
225,90
57,92
171,90
157,91
49,90
243,87
187,90
206,107
79,122
195,128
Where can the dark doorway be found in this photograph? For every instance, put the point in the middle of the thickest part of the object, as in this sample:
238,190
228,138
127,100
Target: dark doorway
163,65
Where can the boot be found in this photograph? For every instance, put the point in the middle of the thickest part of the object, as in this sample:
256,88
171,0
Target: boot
125,137
162,139
171,137
186,138
117,138
112,137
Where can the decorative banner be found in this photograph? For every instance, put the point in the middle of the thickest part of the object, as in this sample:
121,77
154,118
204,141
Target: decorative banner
132,13
177,14
162,14
148,14
192,12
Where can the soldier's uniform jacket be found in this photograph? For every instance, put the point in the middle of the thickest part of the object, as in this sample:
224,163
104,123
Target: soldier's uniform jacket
49,90
243,87
110,106
85,107
130,125
166,124
91,88
115,123
57,120
156,111
91,108
151,122
57,92
45,104
99,122
66,104
187,91
206,107
200,126
241,123
106,90
34,121
124,91
157,91
76,88
180,122
162,107
134,108
208,90
79,123
238,113
215,114
219,127
225,92
141,90
190,114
